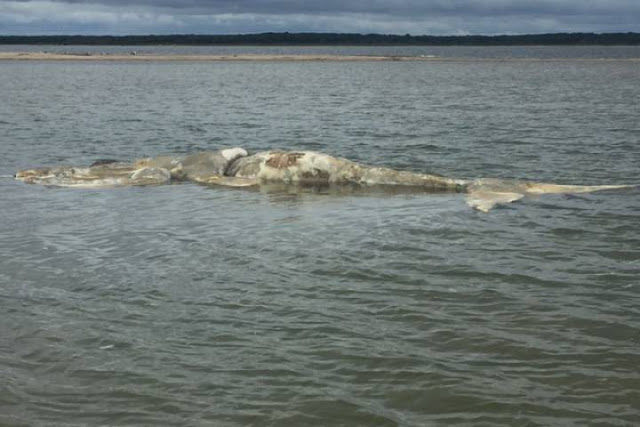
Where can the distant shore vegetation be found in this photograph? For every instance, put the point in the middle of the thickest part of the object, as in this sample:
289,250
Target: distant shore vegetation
319,39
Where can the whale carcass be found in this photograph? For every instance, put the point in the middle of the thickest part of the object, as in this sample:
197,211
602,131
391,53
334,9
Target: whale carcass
234,167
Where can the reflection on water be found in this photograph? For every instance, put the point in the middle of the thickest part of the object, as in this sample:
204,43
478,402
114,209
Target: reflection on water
184,304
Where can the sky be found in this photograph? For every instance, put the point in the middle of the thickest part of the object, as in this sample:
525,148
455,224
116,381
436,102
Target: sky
416,17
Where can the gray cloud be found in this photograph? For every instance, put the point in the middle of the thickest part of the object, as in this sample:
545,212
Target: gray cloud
384,16
387,7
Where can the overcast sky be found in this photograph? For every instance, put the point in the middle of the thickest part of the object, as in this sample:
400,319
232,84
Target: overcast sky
438,17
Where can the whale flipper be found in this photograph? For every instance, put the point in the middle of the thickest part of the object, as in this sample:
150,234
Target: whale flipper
150,176
485,200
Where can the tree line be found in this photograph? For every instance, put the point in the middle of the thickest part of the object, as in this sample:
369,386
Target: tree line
318,39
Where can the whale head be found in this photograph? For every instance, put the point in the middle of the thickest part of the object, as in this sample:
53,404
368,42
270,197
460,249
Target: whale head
33,176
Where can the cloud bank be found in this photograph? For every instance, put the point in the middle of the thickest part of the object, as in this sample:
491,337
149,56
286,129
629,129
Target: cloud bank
436,17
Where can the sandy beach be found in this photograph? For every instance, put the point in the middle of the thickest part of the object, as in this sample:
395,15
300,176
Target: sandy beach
45,56
133,56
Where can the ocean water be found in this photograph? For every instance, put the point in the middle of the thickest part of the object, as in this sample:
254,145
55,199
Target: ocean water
190,305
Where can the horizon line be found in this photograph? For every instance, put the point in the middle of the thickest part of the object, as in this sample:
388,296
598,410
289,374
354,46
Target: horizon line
593,33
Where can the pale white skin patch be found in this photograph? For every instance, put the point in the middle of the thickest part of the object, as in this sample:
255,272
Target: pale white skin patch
231,154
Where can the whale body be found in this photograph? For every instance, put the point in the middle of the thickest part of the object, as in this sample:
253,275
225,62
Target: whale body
234,167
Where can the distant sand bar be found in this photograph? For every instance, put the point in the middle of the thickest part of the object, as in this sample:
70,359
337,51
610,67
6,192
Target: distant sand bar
90,56
45,56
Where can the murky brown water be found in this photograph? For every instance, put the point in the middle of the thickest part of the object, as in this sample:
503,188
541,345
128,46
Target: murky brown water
187,305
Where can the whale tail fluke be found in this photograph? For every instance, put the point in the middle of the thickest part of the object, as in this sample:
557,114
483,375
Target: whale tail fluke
543,188
485,194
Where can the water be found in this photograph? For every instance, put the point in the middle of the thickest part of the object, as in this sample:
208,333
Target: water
188,305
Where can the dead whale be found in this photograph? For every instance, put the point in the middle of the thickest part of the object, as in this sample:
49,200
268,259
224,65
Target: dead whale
234,167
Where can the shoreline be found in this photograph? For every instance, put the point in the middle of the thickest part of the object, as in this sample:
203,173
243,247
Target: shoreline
89,56
47,56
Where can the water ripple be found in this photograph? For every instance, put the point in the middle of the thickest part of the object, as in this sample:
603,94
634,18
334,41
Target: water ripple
203,306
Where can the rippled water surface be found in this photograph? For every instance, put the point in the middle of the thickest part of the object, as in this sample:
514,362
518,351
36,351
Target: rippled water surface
189,305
